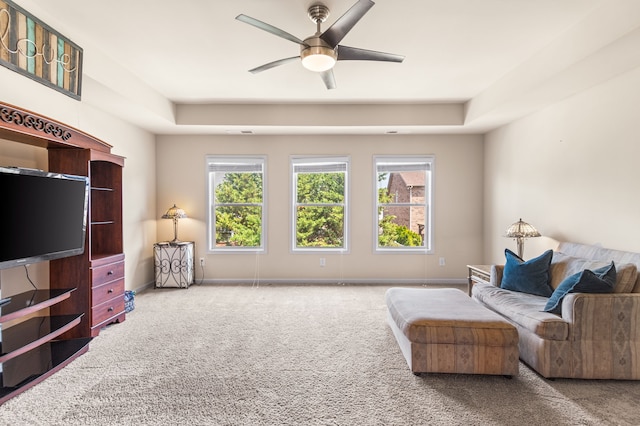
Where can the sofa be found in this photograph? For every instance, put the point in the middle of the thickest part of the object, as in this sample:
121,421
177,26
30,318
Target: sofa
595,336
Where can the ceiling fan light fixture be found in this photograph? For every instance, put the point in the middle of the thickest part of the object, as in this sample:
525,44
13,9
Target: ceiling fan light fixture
319,52
318,58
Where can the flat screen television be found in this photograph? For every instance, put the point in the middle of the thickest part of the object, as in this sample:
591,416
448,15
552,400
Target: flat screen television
43,215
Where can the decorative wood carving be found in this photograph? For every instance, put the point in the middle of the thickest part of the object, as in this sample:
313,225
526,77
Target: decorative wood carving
32,122
24,126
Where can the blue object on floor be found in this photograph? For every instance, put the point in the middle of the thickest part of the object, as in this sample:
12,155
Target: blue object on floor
129,302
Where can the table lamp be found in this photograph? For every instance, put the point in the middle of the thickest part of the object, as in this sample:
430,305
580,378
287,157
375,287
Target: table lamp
521,230
175,213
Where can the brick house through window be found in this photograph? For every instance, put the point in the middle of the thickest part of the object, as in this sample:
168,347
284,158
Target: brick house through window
408,187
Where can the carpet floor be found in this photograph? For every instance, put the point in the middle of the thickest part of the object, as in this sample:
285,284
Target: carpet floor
290,355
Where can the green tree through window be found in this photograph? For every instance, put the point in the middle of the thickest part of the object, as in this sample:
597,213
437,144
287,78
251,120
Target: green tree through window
239,212
320,203
237,203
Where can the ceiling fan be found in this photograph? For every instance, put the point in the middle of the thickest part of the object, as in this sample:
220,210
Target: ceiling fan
320,51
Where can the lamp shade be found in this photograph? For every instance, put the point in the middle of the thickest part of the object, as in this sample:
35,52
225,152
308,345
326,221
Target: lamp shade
318,62
174,212
521,229
318,58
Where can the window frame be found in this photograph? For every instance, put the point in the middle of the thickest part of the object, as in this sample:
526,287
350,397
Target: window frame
316,161
406,161
239,161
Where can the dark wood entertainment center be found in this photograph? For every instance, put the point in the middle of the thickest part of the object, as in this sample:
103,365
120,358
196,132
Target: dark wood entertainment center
86,292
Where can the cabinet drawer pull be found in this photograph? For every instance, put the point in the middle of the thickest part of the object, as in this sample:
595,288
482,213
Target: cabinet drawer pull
110,291
110,273
110,309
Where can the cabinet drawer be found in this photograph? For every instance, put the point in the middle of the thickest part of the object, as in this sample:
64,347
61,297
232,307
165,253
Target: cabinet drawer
107,273
107,291
106,310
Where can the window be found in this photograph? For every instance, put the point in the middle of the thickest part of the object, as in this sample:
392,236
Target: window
320,196
236,203
403,192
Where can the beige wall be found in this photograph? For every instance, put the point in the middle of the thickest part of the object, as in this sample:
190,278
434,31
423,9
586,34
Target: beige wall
457,215
139,182
571,170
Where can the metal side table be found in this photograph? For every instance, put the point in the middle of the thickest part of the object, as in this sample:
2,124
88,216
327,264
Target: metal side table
174,264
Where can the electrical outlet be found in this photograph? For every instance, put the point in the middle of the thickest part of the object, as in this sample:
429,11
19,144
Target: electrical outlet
323,262
441,261
202,261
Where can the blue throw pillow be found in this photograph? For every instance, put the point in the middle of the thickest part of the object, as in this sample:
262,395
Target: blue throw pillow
601,280
531,276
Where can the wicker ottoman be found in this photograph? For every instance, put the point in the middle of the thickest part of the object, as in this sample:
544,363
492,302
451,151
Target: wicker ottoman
445,331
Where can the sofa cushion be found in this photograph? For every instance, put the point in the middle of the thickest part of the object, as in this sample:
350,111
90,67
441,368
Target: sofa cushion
563,266
530,277
523,310
601,280
627,277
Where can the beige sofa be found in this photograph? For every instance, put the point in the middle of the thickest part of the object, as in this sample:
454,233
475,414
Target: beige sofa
597,336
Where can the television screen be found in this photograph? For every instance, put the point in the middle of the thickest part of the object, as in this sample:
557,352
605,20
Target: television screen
43,215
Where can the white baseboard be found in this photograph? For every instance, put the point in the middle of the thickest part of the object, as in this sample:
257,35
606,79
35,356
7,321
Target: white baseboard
144,287
336,281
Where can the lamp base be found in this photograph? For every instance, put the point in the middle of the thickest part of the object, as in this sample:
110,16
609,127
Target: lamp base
520,242
175,240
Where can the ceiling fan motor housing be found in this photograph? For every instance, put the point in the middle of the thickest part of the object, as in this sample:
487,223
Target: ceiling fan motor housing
317,55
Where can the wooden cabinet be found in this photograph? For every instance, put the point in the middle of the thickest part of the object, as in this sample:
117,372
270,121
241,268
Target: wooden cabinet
86,292
99,272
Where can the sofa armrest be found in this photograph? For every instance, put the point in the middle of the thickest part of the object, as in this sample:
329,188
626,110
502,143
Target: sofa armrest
496,275
602,317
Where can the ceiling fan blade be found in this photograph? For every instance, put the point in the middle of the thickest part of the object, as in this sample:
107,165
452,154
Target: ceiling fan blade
273,64
336,32
346,53
329,79
269,28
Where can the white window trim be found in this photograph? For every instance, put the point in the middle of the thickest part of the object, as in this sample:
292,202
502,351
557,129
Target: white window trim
298,160
408,159
240,160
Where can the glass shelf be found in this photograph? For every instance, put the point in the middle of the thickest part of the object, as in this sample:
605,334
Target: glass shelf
27,335
34,366
32,301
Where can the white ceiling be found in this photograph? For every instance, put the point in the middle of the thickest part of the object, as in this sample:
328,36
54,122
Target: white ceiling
150,61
